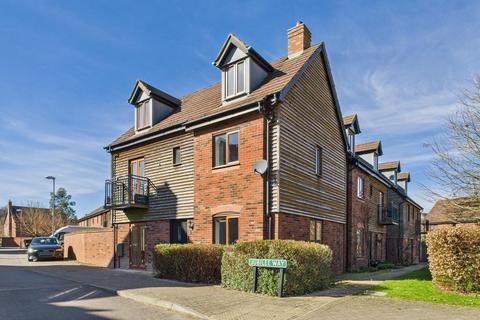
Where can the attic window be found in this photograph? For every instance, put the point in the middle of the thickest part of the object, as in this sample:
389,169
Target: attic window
143,116
235,79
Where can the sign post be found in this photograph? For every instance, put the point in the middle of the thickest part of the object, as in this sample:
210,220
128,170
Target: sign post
268,263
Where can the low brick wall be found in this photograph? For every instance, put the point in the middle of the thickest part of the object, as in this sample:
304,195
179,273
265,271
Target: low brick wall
17,242
93,247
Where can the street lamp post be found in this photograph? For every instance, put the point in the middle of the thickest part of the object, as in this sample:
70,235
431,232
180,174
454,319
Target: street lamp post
53,202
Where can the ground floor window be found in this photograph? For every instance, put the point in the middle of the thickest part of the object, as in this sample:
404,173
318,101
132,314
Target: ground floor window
225,229
316,230
360,249
178,231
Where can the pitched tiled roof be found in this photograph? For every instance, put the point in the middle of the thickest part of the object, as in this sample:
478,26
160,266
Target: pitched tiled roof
403,176
348,120
444,211
368,147
208,101
392,165
96,212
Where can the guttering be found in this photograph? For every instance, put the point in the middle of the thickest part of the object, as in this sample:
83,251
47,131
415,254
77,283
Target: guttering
200,123
111,149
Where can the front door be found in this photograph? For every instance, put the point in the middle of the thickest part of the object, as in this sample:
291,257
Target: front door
137,171
137,247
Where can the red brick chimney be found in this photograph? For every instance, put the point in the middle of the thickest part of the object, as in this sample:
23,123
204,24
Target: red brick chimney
299,39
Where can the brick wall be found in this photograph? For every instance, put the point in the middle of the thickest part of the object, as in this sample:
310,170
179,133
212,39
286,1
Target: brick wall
93,247
295,227
231,189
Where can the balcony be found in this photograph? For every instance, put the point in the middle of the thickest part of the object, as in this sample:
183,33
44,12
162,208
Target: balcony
128,192
386,216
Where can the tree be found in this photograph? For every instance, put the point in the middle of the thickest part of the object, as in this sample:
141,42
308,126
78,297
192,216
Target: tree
456,165
64,212
35,221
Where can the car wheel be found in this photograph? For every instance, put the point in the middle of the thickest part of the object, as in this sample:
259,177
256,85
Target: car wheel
34,258
29,258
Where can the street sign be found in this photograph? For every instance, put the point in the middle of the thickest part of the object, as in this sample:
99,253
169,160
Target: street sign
268,263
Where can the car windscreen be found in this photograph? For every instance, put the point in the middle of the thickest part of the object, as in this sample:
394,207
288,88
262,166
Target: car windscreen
44,241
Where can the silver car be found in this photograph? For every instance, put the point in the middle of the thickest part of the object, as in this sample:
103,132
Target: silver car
44,248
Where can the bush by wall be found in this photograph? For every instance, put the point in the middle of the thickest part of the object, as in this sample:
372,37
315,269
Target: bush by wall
309,266
454,257
188,262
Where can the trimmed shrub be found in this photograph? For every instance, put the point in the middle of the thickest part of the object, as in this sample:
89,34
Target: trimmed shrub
309,266
454,257
188,262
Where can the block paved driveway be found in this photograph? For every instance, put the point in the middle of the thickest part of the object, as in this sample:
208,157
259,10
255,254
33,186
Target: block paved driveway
67,290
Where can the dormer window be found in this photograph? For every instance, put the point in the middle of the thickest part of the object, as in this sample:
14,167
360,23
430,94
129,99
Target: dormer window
235,79
143,116
243,69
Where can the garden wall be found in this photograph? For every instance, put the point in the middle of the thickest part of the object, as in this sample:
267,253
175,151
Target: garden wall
93,247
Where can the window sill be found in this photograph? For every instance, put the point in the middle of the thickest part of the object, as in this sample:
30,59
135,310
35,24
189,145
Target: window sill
177,164
228,165
142,129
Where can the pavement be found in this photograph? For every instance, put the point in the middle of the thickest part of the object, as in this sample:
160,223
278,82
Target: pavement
214,302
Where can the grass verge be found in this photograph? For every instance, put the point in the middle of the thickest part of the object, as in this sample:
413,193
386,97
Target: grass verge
418,286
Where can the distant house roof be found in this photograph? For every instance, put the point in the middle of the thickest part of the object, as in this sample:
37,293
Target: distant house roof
16,211
94,213
404,176
444,212
369,147
207,102
391,165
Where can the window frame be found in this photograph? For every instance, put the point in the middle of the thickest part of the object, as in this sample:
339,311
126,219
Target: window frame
360,195
318,160
360,242
227,135
145,121
316,230
235,79
179,148
227,218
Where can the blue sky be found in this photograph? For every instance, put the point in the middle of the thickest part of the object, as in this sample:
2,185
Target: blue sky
67,68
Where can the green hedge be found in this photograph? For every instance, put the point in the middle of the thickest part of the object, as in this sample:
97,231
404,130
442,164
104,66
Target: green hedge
309,266
188,262
454,257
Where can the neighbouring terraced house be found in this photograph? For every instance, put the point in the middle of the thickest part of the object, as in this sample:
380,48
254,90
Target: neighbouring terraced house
263,154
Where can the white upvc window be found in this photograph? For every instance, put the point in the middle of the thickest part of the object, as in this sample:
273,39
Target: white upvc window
235,79
360,187
143,116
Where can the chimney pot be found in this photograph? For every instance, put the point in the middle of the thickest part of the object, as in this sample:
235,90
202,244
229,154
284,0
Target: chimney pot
299,39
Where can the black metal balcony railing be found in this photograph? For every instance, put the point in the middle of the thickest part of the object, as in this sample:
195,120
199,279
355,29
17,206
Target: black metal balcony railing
387,215
127,192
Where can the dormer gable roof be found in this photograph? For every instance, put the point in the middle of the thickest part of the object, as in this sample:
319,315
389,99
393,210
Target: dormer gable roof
404,176
232,42
351,121
391,165
368,147
142,89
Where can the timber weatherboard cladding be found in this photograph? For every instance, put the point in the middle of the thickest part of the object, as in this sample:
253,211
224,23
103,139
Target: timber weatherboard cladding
307,119
173,197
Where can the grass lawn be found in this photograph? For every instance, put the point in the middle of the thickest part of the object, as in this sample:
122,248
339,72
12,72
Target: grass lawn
418,286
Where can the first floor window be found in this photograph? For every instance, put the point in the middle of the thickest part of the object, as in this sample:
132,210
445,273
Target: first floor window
177,156
225,148
360,249
178,231
316,230
318,160
360,191
225,230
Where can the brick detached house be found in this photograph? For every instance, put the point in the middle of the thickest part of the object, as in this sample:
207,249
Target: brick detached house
259,155
13,230
383,222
